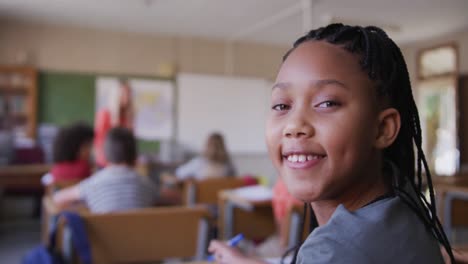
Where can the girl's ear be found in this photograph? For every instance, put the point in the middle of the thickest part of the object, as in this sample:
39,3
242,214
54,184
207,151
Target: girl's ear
389,126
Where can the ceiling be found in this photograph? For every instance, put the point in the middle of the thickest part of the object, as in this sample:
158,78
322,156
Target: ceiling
266,21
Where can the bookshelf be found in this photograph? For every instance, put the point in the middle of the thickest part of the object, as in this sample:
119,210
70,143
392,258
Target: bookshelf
18,100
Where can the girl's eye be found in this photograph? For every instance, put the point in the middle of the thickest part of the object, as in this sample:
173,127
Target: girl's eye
280,107
328,104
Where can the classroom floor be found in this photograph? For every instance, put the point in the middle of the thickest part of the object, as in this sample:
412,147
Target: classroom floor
19,231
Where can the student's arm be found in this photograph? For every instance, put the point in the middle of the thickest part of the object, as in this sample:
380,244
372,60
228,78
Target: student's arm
230,255
188,170
169,180
67,196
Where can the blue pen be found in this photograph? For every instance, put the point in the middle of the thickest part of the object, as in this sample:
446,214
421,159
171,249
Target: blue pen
232,243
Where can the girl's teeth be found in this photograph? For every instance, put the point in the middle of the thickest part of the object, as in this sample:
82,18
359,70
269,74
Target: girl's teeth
301,158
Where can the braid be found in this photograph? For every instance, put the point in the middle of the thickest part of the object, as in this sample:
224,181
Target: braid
383,62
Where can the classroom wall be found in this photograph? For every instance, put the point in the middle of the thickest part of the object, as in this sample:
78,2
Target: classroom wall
63,50
73,49
410,52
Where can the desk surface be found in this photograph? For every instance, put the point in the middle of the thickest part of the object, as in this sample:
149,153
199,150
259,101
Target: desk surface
239,215
231,196
451,188
23,175
460,180
24,168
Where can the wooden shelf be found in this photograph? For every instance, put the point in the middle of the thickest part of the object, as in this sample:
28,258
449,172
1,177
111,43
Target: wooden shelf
13,89
26,90
15,117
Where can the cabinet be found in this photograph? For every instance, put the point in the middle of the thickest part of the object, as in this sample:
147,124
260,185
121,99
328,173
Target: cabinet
18,100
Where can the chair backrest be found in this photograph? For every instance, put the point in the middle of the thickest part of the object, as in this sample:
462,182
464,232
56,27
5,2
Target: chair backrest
455,210
206,191
147,235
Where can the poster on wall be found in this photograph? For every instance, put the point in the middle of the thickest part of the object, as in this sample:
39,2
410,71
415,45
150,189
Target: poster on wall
152,102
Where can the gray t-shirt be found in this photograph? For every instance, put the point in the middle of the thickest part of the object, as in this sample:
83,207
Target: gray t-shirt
386,231
117,188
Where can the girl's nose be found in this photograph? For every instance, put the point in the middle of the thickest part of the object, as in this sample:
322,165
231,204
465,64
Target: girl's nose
298,126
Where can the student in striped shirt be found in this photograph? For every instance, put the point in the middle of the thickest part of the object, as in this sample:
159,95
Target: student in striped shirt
117,187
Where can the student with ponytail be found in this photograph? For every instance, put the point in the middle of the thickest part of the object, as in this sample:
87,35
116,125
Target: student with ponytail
344,134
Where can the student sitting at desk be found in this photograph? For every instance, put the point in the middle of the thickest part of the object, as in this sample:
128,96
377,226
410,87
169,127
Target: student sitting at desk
71,153
282,202
117,187
214,162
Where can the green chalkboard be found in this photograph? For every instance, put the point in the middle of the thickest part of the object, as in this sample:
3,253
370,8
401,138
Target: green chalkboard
66,97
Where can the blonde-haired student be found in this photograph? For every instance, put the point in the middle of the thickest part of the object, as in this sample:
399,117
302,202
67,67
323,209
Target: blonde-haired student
213,162
342,132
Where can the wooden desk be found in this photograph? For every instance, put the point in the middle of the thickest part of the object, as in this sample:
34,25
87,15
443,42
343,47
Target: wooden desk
238,215
24,180
457,180
23,175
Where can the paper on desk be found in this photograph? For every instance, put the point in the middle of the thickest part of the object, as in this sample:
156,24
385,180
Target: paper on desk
254,193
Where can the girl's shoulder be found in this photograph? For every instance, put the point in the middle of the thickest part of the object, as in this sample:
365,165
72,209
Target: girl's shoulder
322,249
382,231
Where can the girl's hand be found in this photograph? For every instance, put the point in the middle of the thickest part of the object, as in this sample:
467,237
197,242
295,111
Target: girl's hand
225,254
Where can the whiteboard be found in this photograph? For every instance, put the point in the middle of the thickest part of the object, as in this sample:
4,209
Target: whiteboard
237,107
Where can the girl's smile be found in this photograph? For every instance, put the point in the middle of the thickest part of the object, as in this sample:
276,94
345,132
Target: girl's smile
302,159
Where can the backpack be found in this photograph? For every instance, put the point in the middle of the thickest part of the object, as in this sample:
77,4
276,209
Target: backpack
48,254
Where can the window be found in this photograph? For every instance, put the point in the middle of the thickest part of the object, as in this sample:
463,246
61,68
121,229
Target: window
437,103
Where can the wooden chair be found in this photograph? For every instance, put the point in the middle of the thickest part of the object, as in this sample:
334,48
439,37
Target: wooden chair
253,219
206,191
147,235
455,210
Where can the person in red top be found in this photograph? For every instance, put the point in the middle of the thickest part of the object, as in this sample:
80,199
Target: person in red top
117,113
72,152
282,202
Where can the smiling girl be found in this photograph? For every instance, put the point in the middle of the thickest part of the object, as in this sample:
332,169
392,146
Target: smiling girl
340,133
